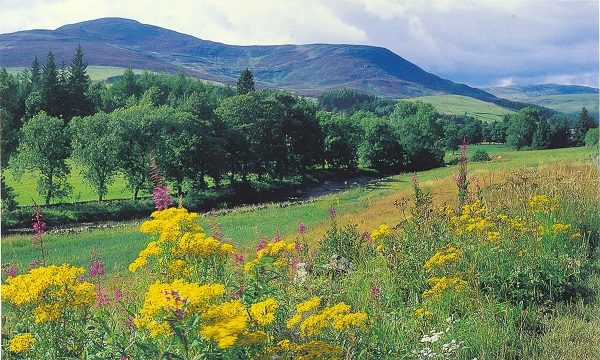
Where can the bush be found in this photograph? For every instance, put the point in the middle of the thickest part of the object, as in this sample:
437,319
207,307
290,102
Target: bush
591,137
480,155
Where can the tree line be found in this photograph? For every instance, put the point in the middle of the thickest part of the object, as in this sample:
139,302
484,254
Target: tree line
201,134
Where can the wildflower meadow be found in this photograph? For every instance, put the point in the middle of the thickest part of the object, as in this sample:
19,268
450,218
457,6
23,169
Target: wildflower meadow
480,275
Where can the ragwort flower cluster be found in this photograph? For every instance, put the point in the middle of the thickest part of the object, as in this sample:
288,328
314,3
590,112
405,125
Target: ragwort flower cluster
182,248
50,291
338,317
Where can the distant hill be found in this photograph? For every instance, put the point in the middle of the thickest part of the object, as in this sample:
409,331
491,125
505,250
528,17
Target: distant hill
307,69
568,99
526,92
462,105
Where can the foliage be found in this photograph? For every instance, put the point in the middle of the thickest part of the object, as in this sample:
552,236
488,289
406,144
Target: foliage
591,137
381,149
480,155
479,280
583,123
7,198
341,139
420,134
245,83
95,147
43,148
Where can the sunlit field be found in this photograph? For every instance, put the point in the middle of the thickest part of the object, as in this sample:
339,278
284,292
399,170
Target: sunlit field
403,267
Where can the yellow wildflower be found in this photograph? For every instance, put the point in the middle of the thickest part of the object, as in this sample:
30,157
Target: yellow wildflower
447,210
52,289
178,266
250,265
542,203
151,249
445,255
559,228
251,338
440,285
492,235
381,232
137,263
264,312
308,305
337,316
293,320
422,312
225,323
170,224
21,343
166,297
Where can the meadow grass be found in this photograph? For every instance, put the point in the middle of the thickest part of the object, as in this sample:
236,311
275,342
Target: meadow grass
569,104
367,206
25,187
431,279
464,105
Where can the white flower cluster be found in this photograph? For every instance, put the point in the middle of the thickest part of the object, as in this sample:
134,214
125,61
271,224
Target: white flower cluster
446,351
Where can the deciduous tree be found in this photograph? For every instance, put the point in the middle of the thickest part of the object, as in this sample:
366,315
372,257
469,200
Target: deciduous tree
96,145
43,148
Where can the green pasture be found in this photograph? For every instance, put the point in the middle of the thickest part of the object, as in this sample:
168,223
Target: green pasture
25,187
461,105
120,245
569,104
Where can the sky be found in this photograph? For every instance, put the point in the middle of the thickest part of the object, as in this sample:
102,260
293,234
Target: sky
477,42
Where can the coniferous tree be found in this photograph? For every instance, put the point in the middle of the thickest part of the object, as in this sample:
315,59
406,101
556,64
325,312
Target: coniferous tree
35,74
541,138
78,85
584,122
50,87
245,83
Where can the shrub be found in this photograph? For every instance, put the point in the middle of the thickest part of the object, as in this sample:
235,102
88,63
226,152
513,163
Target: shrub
480,155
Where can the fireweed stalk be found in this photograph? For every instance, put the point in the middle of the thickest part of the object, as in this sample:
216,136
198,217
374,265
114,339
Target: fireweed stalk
162,198
39,224
461,177
97,272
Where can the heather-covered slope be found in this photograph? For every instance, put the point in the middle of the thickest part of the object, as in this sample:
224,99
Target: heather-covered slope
308,69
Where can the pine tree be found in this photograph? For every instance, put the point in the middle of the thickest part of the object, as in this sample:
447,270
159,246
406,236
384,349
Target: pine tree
245,83
78,85
584,122
50,87
35,75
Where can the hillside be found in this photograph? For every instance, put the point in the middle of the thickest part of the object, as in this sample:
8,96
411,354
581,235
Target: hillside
461,105
307,69
525,92
569,104
568,99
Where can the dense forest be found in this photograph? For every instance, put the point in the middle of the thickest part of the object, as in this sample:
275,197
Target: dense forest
201,134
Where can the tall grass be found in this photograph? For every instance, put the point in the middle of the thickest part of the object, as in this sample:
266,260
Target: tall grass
512,275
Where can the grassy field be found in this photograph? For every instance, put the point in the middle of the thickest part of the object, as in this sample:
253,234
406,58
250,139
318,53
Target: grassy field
461,105
244,225
25,187
432,283
569,104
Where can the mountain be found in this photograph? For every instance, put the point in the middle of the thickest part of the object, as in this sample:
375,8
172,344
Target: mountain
526,92
307,69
